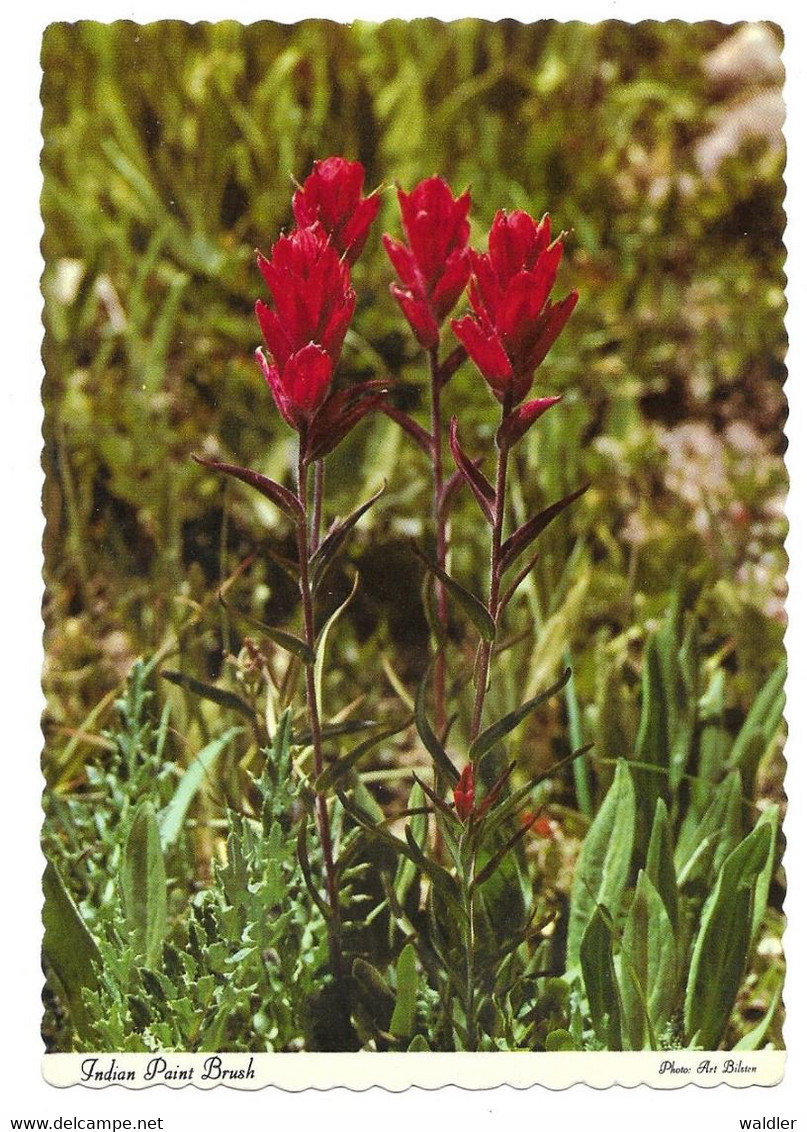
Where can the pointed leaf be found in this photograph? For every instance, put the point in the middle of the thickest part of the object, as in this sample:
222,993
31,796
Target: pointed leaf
422,438
143,883
287,641
509,805
599,977
341,766
221,696
325,553
172,817
471,606
322,640
479,484
305,867
428,737
604,863
648,969
403,1017
497,731
529,531
69,948
282,498
721,949
660,865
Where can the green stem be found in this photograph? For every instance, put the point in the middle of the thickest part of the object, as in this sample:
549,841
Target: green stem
470,947
486,648
440,539
321,806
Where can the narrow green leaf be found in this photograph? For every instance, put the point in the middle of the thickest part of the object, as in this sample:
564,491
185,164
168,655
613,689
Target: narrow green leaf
700,853
325,553
507,806
220,696
403,1017
69,948
497,731
604,863
427,736
172,818
143,884
648,975
660,866
599,978
322,640
282,498
288,641
721,949
343,765
529,531
764,714
471,605
305,866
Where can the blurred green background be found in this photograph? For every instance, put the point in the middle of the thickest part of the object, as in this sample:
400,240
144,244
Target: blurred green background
168,157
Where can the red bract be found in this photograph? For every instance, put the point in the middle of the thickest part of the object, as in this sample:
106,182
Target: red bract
332,196
434,265
304,331
514,322
464,793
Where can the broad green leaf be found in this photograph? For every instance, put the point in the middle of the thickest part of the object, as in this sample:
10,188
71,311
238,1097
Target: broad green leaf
282,498
721,949
648,974
143,884
327,550
419,1045
473,608
69,948
322,641
768,819
201,768
660,865
765,712
403,1017
714,746
559,1041
699,854
497,731
599,979
604,863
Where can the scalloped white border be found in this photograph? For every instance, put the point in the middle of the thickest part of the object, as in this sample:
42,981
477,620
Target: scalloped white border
399,1071
25,1091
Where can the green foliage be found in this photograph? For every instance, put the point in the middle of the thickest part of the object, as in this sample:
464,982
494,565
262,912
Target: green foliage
183,902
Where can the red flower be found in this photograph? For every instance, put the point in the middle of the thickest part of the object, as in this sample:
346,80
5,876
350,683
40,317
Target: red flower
304,331
331,194
434,267
464,793
514,322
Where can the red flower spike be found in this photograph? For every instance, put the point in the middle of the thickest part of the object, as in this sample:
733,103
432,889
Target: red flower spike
521,419
464,793
302,386
434,264
514,323
305,328
332,196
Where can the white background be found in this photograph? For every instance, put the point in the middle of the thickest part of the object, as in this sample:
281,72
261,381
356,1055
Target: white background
22,1092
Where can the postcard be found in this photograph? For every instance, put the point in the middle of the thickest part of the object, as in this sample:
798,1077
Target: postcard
414,558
